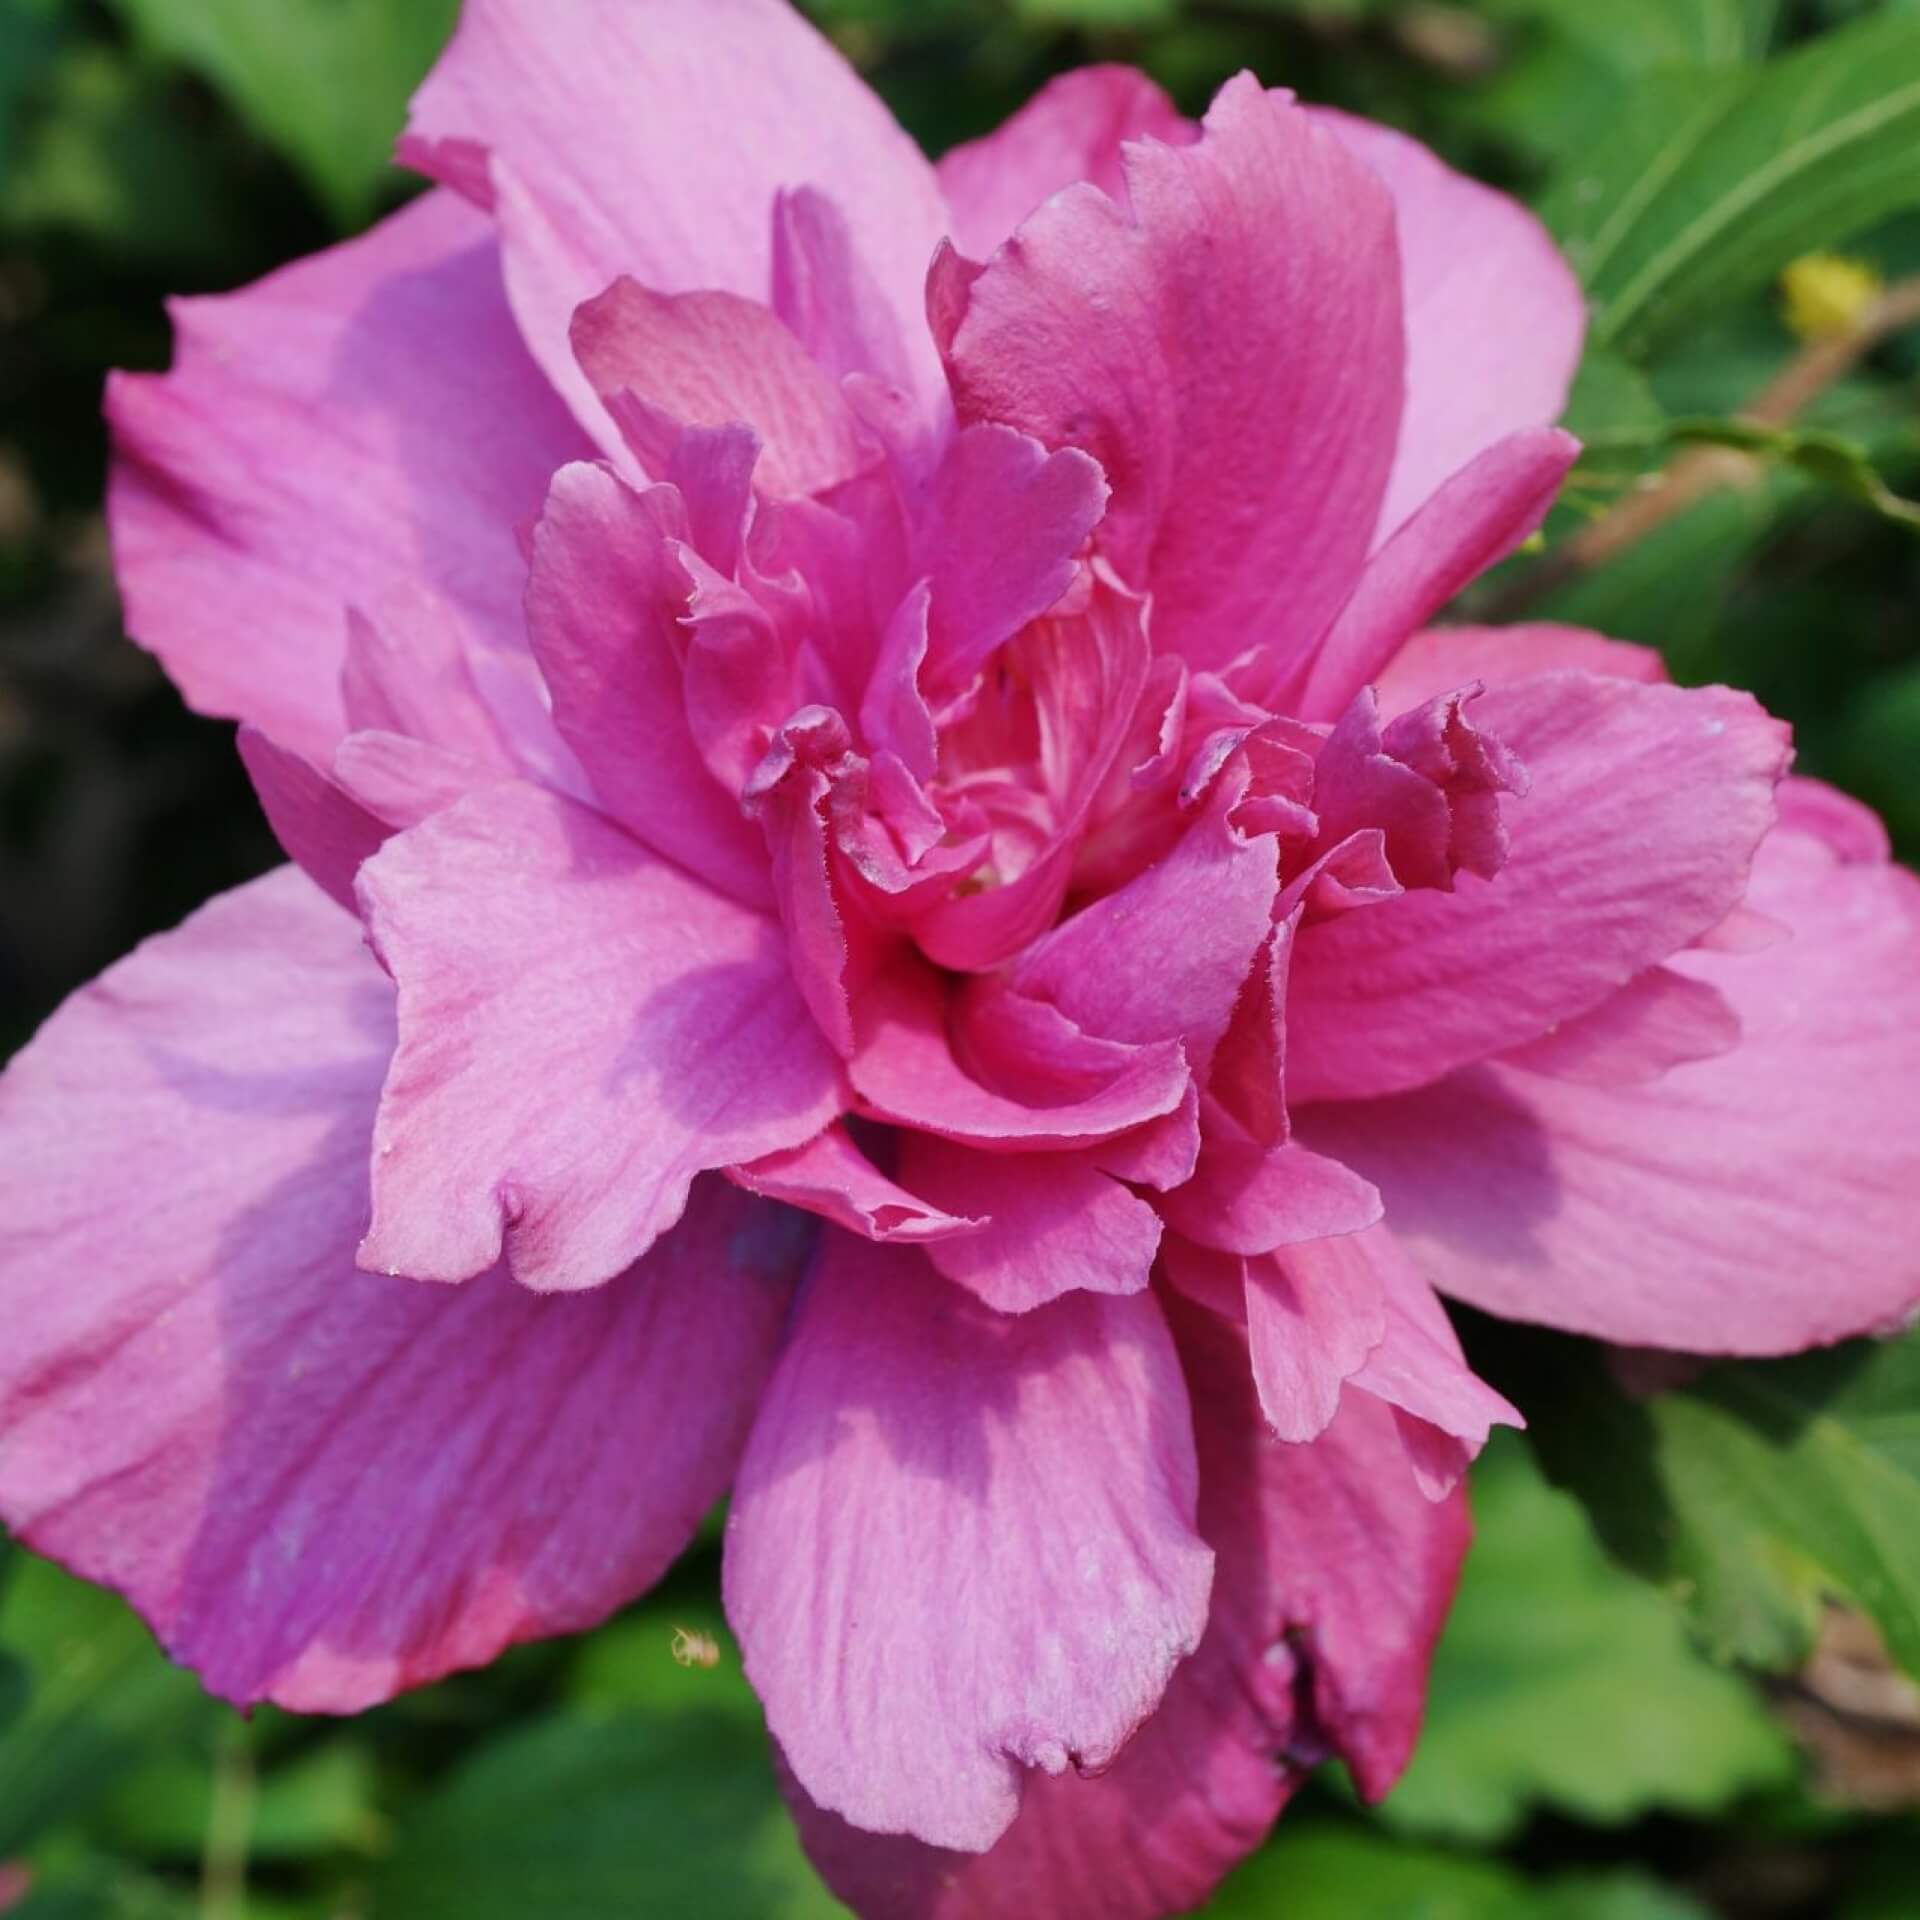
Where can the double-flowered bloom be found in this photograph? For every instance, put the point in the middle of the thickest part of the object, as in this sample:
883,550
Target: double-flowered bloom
897,911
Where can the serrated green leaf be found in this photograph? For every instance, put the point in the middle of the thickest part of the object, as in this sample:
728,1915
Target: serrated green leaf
325,82
1330,1870
101,1699
1562,1682
1758,1491
1710,183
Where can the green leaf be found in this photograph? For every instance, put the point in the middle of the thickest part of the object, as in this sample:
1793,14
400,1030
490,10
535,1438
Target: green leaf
102,1890
1835,462
653,1793
1758,1491
1329,1870
1709,184
601,1819
1562,1682
101,1700
325,82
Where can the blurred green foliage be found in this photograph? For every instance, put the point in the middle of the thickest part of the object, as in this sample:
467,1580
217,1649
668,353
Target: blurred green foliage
1603,1741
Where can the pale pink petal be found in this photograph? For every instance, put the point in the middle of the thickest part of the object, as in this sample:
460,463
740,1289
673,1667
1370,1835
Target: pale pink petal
1444,659
1166,956
1660,1019
1852,831
1229,349
323,829
319,1485
356,421
711,360
1645,806
1757,1202
830,1176
831,303
602,600
1332,1578
406,671
1071,130
1477,517
1054,1223
962,1543
583,1028
650,138
1495,318
401,781
1036,1079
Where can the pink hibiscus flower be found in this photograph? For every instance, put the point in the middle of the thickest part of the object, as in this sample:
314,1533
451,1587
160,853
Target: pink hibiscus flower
893,900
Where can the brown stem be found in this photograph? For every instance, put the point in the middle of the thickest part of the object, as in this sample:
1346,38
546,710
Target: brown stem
1691,475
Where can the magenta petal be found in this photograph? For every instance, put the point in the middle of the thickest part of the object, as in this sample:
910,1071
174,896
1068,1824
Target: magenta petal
1071,130
1166,956
1248,1197
1005,524
1495,318
1332,1577
1229,349
1416,1365
1645,805
1477,517
1310,1328
830,1176
603,598
1691,1211
1054,1223
1040,1081
274,478
320,827
320,1485
583,1028
997,1518
651,138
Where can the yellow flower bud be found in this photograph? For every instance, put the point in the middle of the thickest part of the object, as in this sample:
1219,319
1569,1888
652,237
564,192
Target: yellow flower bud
1827,295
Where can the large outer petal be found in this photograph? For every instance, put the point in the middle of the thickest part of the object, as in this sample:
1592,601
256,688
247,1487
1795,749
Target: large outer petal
321,1485
1071,130
1758,1202
961,1544
650,137
1495,318
360,421
1229,350
1332,1578
1635,838
583,1028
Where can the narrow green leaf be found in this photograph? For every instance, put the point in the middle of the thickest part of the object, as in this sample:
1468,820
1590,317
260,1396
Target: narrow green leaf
1711,183
1562,1682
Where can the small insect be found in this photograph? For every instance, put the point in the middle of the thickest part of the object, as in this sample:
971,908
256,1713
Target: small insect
692,1648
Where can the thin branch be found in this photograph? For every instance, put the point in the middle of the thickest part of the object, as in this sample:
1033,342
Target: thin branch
1699,471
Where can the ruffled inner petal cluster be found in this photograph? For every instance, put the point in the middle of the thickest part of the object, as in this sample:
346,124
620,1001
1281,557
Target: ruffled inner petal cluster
943,947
